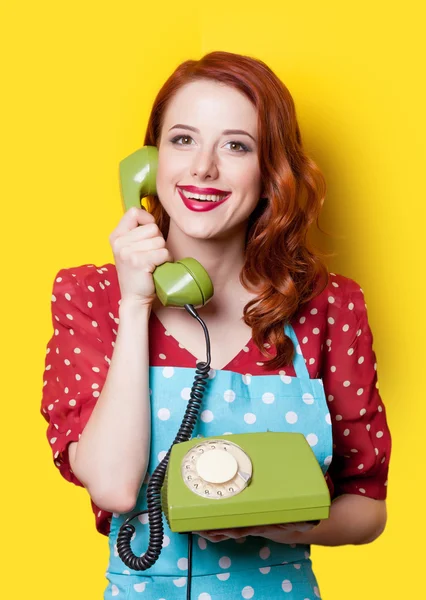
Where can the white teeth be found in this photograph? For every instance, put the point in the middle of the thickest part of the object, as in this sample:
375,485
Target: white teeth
208,198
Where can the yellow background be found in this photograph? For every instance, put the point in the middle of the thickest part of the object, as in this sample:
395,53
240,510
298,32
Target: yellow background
78,80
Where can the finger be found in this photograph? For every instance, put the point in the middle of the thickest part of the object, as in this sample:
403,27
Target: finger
131,219
302,526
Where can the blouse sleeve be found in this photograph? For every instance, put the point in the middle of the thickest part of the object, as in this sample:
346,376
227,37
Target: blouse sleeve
361,437
75,367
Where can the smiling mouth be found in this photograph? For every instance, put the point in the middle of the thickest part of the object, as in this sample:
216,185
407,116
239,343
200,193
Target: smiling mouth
204,197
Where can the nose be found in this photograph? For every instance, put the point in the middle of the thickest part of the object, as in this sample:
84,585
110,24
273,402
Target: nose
204,165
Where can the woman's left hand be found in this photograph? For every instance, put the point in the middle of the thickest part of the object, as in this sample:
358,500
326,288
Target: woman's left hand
286,533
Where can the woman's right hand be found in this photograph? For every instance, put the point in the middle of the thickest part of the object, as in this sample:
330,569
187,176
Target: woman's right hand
138,247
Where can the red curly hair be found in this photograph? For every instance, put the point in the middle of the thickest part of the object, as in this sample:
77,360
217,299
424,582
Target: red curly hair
279,260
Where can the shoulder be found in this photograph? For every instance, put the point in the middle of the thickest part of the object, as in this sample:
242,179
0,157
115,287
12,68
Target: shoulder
341,292
340,298
97,283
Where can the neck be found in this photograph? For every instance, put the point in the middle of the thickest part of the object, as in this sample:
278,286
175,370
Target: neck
222,258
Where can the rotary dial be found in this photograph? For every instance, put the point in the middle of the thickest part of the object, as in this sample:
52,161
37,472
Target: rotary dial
216,469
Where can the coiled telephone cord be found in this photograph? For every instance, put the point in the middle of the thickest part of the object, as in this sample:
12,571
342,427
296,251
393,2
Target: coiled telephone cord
154,510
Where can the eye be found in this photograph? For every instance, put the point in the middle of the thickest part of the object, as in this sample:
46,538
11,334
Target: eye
181,137
243,147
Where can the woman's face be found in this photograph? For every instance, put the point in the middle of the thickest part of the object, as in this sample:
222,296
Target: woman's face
196,150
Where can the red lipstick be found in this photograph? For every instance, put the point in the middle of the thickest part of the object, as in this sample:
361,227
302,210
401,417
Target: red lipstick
198,206
203,191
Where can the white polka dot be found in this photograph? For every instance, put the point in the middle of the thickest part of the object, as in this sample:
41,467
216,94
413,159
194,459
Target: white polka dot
338,417
202,543
72,402
143,519
360,360
264,570
77,351
362,490
207,416
351,351
180,582
305,339
315,331
345,327
362,411
333,369
330,398
302,320
186,393
162,356
316,592
224,562
286,585
346,432
308,398
223,576
247,592
163,414
182,564
351,305
161,455
328,418
168,372
330,320
139,587
166,541
229,396
291,417
114,590
327,460
285,379
359,392
247,379
346,383
361,466
250,418
312,439
314,311
379,434
268,398
264,552
331,299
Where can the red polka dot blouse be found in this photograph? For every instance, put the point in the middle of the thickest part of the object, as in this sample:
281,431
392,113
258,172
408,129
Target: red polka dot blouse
336,342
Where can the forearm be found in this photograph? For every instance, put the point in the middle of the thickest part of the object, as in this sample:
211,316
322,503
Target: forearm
353,520
112,454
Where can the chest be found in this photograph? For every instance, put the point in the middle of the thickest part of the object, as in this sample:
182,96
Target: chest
228,336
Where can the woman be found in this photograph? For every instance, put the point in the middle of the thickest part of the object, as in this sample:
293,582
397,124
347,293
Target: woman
120,365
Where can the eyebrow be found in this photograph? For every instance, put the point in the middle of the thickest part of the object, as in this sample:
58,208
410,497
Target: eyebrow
225,132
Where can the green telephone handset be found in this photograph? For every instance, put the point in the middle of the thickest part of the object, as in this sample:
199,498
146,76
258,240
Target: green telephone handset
179,283
214,482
